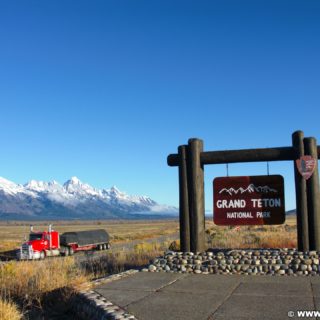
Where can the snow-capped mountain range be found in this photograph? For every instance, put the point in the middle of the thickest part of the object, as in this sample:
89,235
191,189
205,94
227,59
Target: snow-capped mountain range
73,199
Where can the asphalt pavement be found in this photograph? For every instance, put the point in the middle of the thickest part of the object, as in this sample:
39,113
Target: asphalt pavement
174,296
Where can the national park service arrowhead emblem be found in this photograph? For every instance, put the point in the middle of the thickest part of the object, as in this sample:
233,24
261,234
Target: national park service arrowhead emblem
306,166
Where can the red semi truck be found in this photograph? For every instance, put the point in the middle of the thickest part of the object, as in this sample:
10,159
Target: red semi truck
50,243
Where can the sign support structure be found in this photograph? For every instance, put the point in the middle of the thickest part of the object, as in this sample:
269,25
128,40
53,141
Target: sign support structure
301,194
196,195
313,199
184,201
191,160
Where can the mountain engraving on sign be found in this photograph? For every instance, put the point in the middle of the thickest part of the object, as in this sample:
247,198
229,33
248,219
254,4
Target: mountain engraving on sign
251,188
249,200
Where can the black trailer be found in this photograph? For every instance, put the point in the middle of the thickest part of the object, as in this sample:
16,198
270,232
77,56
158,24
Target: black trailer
84,240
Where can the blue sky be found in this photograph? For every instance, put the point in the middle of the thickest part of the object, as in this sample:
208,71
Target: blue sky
105,90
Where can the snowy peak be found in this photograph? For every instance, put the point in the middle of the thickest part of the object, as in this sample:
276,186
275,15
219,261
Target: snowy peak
10,187
116,195
114,191
75,186
147,200
42,186
7,183
73,181
36,185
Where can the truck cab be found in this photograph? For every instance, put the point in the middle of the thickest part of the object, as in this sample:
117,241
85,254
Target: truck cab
40,245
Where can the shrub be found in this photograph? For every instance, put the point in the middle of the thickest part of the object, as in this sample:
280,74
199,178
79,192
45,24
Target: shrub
175,245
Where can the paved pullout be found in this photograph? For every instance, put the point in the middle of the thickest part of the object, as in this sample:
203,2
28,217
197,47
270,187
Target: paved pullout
174,296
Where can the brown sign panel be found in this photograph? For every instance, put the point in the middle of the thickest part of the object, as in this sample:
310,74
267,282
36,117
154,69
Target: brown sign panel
306,166
249,200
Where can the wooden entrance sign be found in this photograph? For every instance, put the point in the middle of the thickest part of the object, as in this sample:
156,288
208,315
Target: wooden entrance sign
249,200
191,160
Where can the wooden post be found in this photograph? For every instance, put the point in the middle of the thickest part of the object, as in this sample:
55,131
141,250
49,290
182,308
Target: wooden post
196,196
183,201
313,196
301,194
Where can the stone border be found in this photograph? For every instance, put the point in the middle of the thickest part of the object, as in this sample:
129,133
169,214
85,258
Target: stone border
283,261
89,304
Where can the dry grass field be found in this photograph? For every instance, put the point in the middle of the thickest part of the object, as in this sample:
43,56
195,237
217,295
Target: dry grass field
29,284
13,233
263,236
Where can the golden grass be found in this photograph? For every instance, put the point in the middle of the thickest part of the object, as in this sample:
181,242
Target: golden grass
115,262
12,234
112,263
28,281
9,311
6,245
276,236
151,247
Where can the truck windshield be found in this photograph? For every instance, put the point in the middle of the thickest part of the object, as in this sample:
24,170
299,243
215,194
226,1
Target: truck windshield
35,236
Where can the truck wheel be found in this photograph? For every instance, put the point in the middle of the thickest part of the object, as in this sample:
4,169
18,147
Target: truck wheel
66,252
100,247
42,255
108,245
104,246
71,251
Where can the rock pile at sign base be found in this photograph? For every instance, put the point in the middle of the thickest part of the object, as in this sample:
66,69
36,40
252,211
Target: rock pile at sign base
244,261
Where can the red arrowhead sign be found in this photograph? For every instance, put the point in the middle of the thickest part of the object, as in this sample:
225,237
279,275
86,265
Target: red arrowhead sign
306,166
